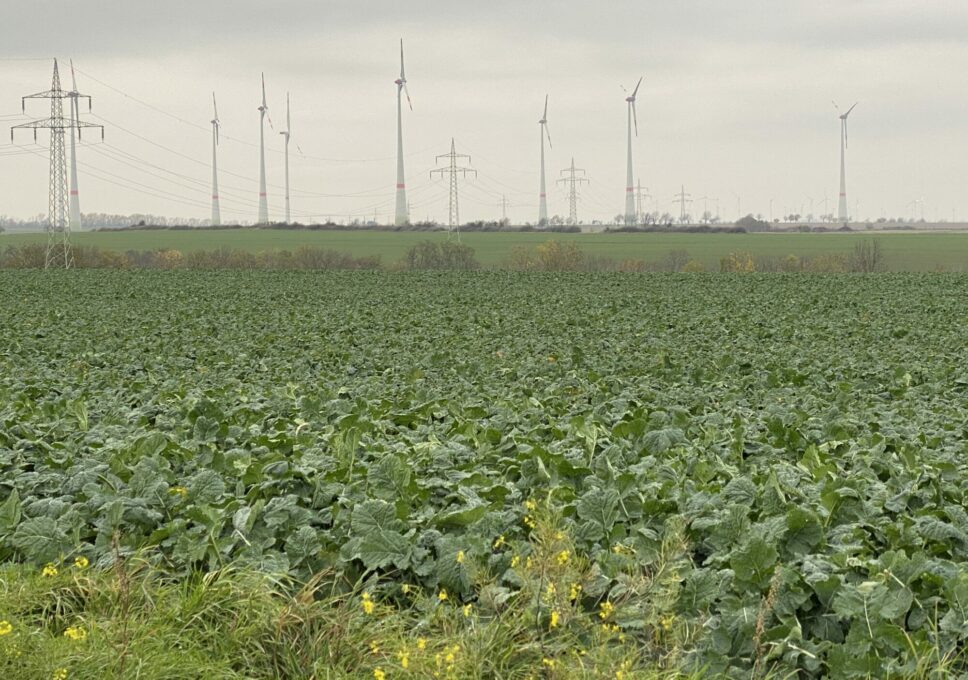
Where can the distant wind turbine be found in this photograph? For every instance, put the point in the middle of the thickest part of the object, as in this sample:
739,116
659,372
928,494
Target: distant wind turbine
629,189
263,201
542,196
402,215
287,133
216,212
842,215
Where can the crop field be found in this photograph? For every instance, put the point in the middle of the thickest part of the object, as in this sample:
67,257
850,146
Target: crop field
484,474
903,251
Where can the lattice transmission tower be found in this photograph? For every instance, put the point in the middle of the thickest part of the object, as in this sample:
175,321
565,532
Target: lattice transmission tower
452,169
58,252
682,198
572,181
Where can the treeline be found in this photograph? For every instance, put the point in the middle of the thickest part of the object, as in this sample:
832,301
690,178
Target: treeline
551,256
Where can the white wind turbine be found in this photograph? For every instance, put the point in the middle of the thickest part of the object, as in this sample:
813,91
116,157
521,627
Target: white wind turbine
542,196
74,213
402,215
842,215
263,113
629,189
216,212
287,133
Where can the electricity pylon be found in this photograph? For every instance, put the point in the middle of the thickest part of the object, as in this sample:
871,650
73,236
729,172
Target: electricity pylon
58,252
453,217
572,182
639,195
683,198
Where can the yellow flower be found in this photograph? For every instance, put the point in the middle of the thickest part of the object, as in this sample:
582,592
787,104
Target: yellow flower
374,647
404,658
421,643
178,490
5,628
606,609
574,591
515,561
499,542
460,557
60,674
559,536
554,619
368,604
467,610
442,595
81,562
49,570
530,505
528,563
549,663
550,590
405,588
563,557
378,674
529,521
75,633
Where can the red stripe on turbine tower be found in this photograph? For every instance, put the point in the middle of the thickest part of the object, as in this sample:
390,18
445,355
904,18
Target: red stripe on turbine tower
401,186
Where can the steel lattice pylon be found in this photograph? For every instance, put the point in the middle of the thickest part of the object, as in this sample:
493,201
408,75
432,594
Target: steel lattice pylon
572,182
59,253
453,217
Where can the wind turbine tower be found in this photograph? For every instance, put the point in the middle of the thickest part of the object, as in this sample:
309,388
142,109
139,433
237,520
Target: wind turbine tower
74,214
216,212
542,196
263,201
402,216
629,189
842,215
287,133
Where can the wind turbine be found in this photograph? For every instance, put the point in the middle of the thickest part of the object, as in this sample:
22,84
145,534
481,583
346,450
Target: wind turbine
74,213
216,212
263,112
542,197
629,190
287,133
842,215
402,216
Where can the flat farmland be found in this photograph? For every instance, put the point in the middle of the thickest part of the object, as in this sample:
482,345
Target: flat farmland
562,475
903,251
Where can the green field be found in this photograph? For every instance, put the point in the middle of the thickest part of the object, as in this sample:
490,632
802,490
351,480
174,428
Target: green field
903,251
301,474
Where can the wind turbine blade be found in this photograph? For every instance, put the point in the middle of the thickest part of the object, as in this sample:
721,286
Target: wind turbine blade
288,123
850,109
402,76
545,116
635,91
264,90
73,78
635,118
215,106
548,134
407,92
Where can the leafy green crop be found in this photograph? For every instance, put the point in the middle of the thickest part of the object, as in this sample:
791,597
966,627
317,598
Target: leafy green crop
807,434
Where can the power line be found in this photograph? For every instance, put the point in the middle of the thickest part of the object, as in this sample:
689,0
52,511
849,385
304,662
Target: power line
452,169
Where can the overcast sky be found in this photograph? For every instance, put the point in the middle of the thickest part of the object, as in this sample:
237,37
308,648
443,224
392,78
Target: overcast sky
735,102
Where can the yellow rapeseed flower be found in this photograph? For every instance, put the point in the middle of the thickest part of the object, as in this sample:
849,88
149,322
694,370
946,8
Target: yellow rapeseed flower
549,663
378,674
367,604
75,633
374,647
421,643
550,590
515,561
529,521
563,557
554,619
81,562
442,595
49,570
460,557
59,674
530,505
467,610
405,588
5,628
574,591
178,490
499,542
404,658
605,610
